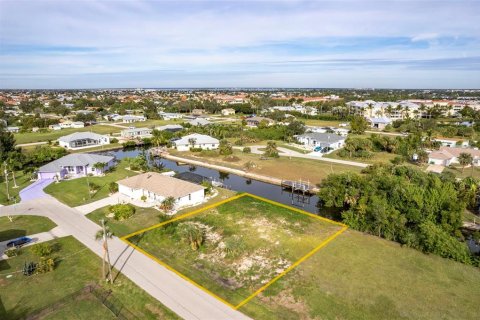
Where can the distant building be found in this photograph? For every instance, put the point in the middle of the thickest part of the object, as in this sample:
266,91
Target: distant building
379,123
83,140
13,129
446,156
132,119
134,133
323,142
170,127
199,122
170,116
196,140
75,165
452,142
255,121
198,112
54,127
228,112
157,187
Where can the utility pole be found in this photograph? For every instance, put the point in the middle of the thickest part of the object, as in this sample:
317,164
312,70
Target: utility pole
6,179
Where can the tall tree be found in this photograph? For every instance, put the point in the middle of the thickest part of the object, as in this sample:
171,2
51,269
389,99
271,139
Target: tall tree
465,159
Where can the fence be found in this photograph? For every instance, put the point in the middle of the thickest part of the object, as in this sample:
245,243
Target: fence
99,293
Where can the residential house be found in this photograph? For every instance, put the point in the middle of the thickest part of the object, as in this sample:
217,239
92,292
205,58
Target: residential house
379,123
255,121
170,116
446,156
83,140
13,129
228,112
323,142
134,133
170,128
198,112
153,187
199,122
452,142
195,140
54,127
132,119
75,165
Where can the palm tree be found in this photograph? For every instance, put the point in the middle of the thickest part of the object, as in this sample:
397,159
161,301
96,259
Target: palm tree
105,234
99,166
168,204
192,234
158,138
465,159
192,142
271,149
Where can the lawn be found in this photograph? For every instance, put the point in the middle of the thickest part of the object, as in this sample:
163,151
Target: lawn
378,157
75,268
282,168
246,243
360,276
23,226
29,137
323,123
82,309
151,123
23,180
75,192
467,172
146,217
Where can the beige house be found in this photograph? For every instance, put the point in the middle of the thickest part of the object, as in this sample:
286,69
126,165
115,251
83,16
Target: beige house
228,112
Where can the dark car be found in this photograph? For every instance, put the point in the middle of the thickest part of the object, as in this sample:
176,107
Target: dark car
19,242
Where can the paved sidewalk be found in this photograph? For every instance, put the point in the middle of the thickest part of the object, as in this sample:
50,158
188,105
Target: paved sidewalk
56,232
115,198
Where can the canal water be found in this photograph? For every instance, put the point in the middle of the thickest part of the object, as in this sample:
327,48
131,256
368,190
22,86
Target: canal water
234,182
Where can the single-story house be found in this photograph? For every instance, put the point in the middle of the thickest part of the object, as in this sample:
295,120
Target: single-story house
75,165
228,111
323,142
196,140
71,124
198,112
452,142
170,115
199,122
446,156
131,119
255,121
157,187
55,127
13,129
78,124
379,123
170,127
136,133
82,140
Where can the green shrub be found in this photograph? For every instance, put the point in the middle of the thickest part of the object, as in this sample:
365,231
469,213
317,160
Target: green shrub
247,150
122,211
114,140
42,249
12,252
113,187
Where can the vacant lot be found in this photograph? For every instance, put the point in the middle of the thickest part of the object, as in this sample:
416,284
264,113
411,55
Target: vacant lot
23,226
146,217
243,244
360,276
75,192
76,267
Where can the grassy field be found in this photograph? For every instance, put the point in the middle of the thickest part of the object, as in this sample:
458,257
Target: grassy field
378,157
467,172
247,242
22,182
146,217
82,309
281,168
359,276
75,268
30,137
23,226
323,123
151,123
75,192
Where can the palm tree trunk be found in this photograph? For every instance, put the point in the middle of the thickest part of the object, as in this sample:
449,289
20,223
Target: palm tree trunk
109,263
14,180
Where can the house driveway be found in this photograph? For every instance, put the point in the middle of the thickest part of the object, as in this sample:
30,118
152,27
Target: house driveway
115,198
35,190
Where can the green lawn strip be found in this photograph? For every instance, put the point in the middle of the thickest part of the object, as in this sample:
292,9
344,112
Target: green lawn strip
150,123
360,276
111,146
76,267
75,192
272,238
29,137
146,217
23,180
467,172
23,226
377,157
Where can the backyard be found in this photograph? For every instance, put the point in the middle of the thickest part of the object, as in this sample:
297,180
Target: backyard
243,244
76,267
23,226
75,192
360,276
146,217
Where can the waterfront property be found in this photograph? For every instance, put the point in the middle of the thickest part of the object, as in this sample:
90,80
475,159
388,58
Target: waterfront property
446,156
156,187
323,142
197,141
82,140
134,133
75,166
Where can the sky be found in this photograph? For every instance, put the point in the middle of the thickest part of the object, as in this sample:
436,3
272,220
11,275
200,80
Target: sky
169,44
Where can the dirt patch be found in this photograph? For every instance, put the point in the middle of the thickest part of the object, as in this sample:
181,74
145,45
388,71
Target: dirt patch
285,299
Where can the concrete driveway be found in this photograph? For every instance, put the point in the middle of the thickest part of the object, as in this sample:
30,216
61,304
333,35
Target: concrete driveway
35,190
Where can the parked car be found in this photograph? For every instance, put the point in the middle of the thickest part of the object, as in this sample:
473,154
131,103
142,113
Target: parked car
19,242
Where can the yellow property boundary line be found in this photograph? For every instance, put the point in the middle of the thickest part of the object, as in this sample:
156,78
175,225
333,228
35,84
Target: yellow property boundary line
253,295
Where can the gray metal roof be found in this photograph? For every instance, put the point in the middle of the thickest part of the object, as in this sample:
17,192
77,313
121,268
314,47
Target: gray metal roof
323,137
199,122
75,159
80,135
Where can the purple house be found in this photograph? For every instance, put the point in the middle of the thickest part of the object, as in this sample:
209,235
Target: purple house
75,166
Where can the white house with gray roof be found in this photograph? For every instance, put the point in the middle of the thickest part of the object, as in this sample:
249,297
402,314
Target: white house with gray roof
79,140
323,142
198,141
75,166
134,133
